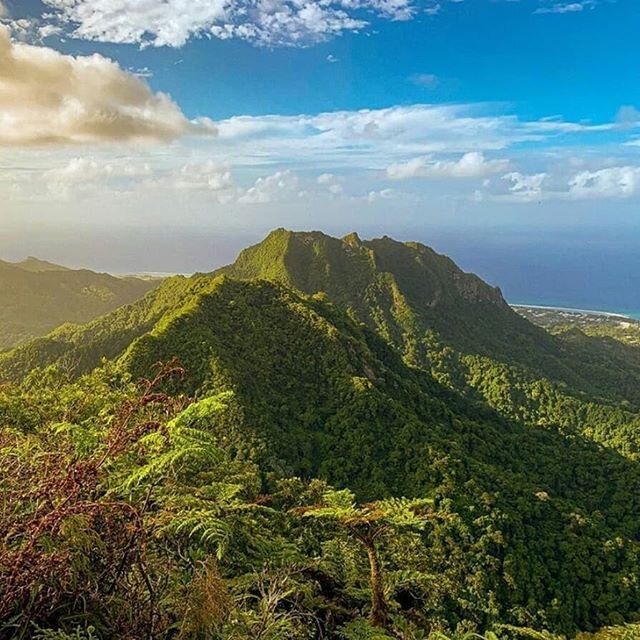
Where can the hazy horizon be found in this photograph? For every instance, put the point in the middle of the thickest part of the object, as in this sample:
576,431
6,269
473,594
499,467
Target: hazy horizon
592,269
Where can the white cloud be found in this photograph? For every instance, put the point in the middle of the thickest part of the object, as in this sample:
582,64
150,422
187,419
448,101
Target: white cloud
208,176
566,7
334,158
612,182
264,22
382,194
50,98
371,140
471,165
3,10
334,184
282,184
525,188
82,175
32,30
84,169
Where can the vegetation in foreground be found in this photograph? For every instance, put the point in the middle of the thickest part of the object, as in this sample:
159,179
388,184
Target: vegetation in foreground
131,514
318,469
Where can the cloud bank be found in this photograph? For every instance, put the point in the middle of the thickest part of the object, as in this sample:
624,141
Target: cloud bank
470,165
264,22
50,98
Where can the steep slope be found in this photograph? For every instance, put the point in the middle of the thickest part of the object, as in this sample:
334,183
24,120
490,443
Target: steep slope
80,348
319,395
38,296
536,528
461,329
396,288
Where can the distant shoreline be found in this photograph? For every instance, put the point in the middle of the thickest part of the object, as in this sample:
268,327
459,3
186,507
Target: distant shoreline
588,312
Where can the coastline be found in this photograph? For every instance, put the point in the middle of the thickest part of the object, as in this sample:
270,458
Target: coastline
587,312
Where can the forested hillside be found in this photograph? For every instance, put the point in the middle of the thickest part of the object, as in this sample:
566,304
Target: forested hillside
461,330
37,296
344,445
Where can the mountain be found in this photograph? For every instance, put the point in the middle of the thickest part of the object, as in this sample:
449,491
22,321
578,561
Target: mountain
407,292
319,395
36,265
380,366
439,318
461,330
38,296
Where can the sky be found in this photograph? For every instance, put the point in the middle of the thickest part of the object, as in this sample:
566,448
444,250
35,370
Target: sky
157,136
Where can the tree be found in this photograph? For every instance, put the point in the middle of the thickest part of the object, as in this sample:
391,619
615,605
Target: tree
368,524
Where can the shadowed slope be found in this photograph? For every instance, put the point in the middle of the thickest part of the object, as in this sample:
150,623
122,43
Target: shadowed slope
38,296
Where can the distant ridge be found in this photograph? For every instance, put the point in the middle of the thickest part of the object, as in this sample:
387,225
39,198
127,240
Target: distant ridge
38,296
35,265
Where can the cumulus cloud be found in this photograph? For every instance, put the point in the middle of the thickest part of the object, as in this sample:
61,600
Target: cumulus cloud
50,98
210,179
525,187
208,176
334,184
32,30
608,183
83,169
84,174
470,165
382,194
281,184
612,182
264,22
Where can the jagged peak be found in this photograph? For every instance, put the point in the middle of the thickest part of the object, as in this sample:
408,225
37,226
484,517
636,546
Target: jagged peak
352,239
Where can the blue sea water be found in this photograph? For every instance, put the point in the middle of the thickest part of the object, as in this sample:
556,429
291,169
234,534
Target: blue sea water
594,269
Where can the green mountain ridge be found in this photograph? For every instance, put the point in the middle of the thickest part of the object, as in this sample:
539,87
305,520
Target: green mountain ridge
36,265
381,367
37,296
439,318
460,329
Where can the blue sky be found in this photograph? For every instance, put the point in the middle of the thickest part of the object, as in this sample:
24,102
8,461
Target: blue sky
408,117
580,64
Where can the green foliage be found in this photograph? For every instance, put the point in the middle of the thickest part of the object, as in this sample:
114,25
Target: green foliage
381,515
38,296
377,368
362,630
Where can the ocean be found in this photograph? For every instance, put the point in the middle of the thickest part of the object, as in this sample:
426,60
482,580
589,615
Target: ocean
579,270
